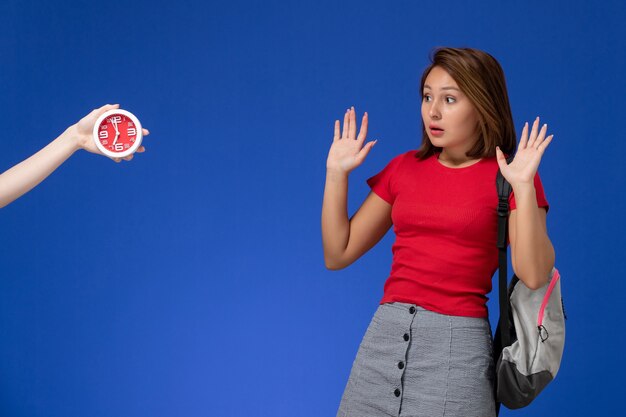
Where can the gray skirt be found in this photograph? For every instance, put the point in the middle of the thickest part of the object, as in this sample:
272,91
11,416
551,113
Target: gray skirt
414,362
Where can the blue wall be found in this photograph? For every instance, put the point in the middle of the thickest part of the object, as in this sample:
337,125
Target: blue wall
191,281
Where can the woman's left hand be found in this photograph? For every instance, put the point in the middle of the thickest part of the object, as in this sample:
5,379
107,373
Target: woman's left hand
524,166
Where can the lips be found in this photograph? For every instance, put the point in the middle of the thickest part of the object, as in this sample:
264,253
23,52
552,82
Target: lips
434,127
435,130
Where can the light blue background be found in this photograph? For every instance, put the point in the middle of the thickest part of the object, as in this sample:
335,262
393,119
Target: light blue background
191,281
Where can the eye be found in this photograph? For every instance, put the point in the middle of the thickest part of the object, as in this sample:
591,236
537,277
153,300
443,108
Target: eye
450,100
427,97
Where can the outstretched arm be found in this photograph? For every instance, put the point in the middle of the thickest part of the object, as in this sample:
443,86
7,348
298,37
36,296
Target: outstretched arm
26,175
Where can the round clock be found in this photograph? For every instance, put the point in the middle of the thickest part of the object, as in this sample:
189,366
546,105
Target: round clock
117,133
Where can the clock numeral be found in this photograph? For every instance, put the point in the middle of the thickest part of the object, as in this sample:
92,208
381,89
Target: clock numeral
126,145
131,131
131,124
105,142
119,147
116,119
103,127
104,134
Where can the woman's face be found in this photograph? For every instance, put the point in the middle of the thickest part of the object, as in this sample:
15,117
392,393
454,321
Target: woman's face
450,119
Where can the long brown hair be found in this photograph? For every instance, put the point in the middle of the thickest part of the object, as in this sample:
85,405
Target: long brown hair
481,79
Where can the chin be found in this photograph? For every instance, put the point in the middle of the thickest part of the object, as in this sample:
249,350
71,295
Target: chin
437,142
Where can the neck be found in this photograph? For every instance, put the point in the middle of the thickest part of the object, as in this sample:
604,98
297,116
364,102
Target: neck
455,158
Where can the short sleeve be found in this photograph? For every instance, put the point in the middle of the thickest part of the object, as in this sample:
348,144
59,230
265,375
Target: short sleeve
382,183
541,195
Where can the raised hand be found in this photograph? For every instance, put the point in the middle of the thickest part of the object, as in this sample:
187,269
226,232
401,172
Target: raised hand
84,132
347,151
524,166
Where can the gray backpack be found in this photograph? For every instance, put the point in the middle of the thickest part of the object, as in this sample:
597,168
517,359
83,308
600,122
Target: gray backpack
529,340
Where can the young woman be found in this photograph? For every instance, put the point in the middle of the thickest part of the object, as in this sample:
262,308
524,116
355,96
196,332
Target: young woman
26,175
427,351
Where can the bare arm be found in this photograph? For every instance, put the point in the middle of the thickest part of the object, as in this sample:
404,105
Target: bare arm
344,239
26,175
532,253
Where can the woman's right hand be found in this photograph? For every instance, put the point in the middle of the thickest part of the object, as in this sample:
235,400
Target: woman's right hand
347,151
82,132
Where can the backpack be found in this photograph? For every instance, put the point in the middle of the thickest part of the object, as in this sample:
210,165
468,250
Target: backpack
530,337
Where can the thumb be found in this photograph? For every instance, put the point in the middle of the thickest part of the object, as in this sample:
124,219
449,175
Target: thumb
106,108
500,158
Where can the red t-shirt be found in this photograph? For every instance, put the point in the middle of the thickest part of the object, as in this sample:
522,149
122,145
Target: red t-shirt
445,221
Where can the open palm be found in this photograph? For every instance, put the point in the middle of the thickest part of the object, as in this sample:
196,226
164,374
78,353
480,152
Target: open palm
528,156
347,151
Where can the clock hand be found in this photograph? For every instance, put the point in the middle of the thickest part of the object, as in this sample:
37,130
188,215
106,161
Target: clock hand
117,132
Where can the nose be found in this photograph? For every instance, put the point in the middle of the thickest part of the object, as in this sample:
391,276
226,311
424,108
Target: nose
434,112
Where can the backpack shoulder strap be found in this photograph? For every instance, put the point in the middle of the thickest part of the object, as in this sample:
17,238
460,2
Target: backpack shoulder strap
503,331
504,190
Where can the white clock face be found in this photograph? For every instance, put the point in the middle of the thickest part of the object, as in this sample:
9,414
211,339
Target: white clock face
117,133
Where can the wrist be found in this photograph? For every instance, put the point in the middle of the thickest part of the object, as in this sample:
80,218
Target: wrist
74,139
523,188
336,174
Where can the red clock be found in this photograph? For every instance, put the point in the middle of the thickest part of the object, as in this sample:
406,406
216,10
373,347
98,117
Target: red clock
117,133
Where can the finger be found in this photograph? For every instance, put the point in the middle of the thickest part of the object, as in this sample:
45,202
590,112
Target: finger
97,112
337,133
117,160
363,131
128,158
360,157
346,124
533,133
108,107
524,139
145,132
352,130
500,158
541,148
541,137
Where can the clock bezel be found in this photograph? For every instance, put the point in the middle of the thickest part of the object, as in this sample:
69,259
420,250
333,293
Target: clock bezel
138,138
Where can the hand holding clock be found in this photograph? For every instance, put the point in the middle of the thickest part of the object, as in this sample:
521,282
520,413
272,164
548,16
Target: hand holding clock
26,175
84,131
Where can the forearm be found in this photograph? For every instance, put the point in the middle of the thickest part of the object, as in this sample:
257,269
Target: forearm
335,221
534,255
26,175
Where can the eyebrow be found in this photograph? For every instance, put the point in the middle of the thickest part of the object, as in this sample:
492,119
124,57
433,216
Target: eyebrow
443,88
